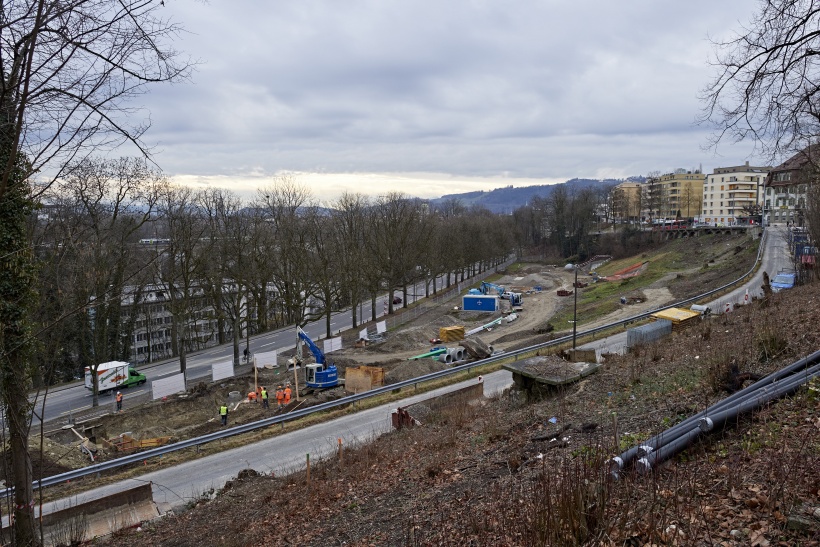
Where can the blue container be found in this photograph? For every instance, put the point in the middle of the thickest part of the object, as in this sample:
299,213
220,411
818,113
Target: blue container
475,302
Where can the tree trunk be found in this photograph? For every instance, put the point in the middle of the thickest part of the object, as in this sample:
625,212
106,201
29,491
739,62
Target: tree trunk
17,417
17,296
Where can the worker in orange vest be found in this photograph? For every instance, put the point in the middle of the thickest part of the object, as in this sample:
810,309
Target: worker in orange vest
287,394
280,396
119,401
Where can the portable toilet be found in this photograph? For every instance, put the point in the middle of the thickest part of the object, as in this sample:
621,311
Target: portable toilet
476,302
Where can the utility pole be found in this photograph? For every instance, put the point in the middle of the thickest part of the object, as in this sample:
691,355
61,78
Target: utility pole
575,310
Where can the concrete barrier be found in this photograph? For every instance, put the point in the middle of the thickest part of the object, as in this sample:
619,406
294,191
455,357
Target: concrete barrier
101,516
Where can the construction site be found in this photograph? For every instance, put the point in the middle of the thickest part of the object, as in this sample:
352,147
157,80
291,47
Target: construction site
444,335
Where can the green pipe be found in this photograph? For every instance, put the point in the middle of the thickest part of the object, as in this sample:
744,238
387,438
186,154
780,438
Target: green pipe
429,354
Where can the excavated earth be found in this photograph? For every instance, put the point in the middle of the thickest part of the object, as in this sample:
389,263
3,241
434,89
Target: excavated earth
195,413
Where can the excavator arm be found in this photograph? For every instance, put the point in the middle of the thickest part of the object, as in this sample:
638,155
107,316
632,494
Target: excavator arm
314,349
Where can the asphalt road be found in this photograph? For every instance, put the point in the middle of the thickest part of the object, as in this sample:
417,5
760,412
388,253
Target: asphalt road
63,403
176,486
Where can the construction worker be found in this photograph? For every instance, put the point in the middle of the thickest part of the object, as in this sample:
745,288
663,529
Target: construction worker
223,413
264,395
119,401
287,394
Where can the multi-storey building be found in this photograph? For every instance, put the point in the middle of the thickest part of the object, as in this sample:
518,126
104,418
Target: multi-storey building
673,195
787,187
149,310
733,193
626,202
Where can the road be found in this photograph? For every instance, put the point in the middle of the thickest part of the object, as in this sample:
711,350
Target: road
775,258
65,402
177,485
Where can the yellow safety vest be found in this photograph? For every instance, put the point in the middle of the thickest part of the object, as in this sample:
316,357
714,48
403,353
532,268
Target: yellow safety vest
223,410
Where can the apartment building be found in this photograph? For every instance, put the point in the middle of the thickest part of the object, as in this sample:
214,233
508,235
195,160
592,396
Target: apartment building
787,187
149,309
626,202
733,193
673,195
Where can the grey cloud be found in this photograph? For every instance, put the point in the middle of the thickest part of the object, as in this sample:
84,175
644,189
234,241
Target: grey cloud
529,88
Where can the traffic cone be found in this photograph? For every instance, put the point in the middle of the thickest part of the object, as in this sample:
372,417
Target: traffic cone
728,307
746,298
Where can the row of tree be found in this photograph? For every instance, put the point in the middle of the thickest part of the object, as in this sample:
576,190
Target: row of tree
124,254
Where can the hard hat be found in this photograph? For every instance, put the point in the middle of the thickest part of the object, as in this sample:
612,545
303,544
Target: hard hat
119,393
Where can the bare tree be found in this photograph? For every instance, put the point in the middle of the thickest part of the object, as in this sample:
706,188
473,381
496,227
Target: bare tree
224,276
285,203
349,221
690,200
102,205
180,269
395,225
68,69
767,86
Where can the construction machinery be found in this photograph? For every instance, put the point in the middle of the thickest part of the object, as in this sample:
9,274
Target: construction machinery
513,297
318,375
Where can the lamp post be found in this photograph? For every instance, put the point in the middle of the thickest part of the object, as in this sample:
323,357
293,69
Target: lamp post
575,309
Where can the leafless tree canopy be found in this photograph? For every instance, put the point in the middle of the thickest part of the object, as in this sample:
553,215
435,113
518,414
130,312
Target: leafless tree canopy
766,88
70,66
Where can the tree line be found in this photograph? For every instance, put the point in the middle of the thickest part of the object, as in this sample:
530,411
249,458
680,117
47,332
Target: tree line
122,253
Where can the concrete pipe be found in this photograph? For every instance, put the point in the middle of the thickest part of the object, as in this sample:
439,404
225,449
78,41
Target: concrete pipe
446,358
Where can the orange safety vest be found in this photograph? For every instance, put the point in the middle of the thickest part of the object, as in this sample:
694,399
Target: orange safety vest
119,397
287,395
280,395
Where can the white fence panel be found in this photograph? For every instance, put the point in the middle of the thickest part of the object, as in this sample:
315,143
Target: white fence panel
220,371
168,386
333,344
363,334
264,359
381,327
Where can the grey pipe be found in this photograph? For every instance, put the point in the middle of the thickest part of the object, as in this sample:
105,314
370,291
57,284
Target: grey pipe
682,429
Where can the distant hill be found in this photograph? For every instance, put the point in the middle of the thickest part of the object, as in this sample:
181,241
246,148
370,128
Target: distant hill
508,199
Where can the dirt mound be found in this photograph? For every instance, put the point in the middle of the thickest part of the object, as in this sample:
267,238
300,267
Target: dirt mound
413,369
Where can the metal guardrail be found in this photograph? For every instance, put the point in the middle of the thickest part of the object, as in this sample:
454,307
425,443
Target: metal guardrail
245,428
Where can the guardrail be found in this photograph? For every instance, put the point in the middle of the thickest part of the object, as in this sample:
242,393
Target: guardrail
245,428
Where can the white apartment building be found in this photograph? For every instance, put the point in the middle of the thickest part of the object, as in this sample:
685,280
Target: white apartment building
732,193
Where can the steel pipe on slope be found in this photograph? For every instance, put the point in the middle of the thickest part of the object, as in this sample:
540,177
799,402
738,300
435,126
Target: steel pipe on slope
752,401
682,428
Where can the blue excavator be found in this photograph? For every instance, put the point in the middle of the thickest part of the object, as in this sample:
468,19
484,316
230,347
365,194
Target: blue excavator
318,375
487,287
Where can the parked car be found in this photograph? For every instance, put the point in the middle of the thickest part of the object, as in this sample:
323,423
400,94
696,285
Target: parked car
397,300
782,281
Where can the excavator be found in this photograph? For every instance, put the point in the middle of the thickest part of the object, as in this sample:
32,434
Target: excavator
513,297
318,375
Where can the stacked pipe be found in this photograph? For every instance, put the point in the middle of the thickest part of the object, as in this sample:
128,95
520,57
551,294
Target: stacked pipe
452,355
673,440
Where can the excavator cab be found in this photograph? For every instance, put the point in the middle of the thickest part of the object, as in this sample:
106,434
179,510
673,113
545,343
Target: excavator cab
321,376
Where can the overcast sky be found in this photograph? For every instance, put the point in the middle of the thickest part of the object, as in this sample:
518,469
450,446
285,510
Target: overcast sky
439,97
